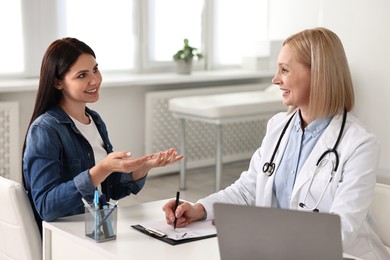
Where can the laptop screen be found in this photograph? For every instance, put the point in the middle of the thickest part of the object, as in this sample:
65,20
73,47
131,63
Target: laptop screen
248,232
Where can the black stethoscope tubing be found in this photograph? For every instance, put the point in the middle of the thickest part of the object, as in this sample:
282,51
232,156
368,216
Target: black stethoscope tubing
269,167
333,150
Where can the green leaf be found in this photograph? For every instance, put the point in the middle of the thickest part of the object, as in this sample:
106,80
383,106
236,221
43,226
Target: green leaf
187,53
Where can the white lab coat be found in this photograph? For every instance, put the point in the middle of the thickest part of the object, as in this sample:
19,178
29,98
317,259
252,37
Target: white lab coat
349,195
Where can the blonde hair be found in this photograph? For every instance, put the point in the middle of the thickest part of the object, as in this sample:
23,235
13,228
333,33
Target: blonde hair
331,83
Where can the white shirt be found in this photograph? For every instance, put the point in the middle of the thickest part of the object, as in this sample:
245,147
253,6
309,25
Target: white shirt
91,133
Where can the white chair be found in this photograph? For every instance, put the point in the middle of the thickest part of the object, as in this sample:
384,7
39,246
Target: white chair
383,176
19,234
380,210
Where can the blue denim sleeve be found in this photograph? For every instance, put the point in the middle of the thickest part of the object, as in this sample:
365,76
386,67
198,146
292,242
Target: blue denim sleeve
84,185
122,185
135,186
53,191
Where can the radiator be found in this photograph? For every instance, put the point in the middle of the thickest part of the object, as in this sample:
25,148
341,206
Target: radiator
162,130
10,163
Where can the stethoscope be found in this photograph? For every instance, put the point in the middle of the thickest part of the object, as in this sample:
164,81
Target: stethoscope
269,167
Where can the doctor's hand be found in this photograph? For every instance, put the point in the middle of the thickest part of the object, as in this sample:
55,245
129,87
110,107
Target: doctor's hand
186,213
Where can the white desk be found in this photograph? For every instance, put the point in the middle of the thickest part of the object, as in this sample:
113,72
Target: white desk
65,239
222,109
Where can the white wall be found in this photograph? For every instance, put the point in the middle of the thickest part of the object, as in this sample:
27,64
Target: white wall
288,17
363,28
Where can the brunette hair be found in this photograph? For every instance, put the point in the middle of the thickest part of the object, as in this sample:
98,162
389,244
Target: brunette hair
57,61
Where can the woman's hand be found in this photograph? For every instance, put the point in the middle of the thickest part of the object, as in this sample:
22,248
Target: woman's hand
158,160
123,162
164,158
116,162
185,213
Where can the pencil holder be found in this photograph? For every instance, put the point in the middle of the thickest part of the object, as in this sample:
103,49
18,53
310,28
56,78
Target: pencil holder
100,224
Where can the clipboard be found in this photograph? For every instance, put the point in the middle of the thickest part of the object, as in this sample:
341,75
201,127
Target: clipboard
195,231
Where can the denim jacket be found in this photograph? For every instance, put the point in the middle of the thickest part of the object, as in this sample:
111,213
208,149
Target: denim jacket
56,165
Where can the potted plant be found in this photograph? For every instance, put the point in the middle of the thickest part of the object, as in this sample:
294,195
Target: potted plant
184,57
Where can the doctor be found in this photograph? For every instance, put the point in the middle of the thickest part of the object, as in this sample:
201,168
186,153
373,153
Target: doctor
315,157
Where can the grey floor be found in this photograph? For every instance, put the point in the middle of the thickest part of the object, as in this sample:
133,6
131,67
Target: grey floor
200,183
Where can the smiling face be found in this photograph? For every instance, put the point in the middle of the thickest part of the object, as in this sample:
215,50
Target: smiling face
81,83
293,78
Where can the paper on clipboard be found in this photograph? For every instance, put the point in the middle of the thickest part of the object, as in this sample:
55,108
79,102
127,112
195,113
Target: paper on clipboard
196,229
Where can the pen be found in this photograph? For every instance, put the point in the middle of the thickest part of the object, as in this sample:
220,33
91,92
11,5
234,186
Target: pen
103,208
96,198
176,204
108,214
96,208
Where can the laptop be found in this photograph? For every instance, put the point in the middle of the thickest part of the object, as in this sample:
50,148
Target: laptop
248,232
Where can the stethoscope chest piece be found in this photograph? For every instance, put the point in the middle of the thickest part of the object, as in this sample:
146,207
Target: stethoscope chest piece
269,168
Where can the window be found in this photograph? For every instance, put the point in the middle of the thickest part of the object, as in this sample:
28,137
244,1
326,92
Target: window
240,29
170,22
224,30
107,27
133,35
11,44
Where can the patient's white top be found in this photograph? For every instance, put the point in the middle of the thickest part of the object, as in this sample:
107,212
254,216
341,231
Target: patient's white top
91,133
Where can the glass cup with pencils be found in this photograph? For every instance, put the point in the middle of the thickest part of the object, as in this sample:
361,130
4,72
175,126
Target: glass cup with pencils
100,219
